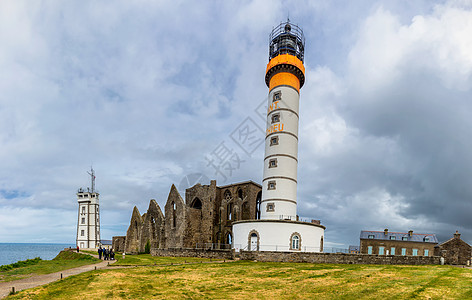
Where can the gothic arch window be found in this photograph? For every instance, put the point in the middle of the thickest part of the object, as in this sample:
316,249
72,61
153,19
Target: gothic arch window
228,195
174,215
229,212
240,194
229,238
258,205
196,203
295,241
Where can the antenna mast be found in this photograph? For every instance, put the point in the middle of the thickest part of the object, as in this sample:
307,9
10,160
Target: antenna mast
92,175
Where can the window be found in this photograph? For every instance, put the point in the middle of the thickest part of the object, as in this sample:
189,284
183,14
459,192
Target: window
83,209
229,211
295,242
426,239
273,163
415,252
274,140
404,238
403,251
271,185
392,251
369,250
277,96
82,232
392,238
83,221
275,118
174,215
426,252
270,207
381,250
371,236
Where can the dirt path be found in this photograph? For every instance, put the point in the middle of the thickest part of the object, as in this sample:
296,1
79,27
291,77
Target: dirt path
37,280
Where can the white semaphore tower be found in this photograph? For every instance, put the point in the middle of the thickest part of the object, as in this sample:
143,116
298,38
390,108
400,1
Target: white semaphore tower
88,223
279,228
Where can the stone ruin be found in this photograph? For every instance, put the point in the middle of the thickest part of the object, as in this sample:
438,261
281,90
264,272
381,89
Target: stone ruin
203,220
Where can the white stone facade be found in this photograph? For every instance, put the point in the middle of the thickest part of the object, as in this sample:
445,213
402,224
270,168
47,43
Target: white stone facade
88,223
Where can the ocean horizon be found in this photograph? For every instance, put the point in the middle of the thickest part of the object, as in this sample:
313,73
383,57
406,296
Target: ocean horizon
13,252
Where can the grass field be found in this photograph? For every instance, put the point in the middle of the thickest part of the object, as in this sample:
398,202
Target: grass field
64,260
244,279
148,260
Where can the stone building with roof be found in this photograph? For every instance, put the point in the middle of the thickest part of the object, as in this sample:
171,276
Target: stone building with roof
455,251
203,219
397,243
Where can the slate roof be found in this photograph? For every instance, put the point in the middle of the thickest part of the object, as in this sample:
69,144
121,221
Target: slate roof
398,236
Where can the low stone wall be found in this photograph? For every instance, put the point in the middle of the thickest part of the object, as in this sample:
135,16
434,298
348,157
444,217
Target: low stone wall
190,252
338,258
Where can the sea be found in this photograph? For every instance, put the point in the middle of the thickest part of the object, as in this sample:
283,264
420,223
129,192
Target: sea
13,252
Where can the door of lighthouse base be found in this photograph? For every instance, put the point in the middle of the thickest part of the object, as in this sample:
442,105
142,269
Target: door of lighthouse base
254,246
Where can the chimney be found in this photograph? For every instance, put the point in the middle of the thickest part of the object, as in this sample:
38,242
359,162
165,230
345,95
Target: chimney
410,233
457,235
386,231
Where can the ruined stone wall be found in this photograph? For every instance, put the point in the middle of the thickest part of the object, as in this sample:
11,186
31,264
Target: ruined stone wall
153,227
175,218
217,254
337,258
205,217
118,243
234,203
200,203
133,235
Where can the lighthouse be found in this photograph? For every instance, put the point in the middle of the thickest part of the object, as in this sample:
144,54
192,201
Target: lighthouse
279,228
88,223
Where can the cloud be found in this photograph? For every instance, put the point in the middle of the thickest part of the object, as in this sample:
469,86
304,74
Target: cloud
145,91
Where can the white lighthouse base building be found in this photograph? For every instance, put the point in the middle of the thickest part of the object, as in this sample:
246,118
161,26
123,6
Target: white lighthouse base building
278,235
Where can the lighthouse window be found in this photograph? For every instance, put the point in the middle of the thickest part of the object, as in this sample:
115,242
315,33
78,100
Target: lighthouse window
277,96
271,185
273,163
274,140
83,220
270,207
83,209
275,118
295,242
82,232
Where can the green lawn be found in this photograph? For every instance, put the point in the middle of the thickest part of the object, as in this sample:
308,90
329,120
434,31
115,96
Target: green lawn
147,259
244,279
64,260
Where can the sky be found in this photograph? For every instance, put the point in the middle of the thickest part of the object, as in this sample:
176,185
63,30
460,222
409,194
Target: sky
149,92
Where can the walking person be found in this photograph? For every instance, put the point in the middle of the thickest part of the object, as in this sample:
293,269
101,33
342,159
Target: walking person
77,249
100,252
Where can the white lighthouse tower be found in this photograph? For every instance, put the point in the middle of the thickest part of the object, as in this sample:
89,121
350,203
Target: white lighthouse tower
88,223
279,228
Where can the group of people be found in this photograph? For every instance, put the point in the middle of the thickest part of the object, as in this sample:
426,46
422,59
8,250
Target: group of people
108,254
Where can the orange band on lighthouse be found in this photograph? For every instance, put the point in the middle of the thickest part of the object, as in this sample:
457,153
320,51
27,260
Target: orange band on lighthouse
284,78
285,59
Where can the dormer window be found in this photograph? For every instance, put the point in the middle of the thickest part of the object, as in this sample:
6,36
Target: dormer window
426,239
393,238
371,236
404,238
